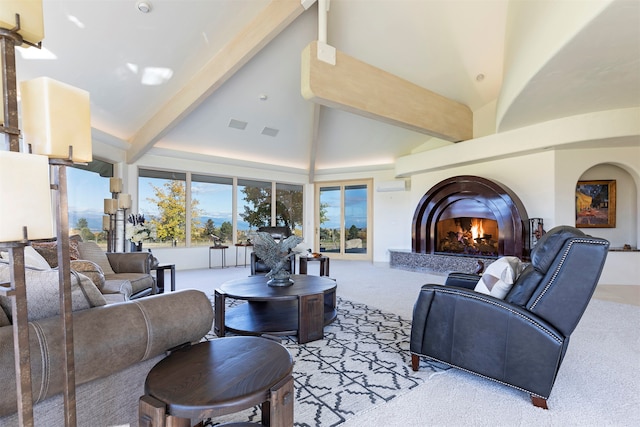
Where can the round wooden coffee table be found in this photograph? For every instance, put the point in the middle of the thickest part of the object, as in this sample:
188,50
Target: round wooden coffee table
219,377
303,308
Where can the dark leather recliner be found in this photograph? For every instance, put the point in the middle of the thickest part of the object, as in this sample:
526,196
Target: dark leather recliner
258,267
519,341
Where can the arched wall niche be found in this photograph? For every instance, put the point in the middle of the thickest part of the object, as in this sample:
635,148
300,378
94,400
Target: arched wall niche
626,230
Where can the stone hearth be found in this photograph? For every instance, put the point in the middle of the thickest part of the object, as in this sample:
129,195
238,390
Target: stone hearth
434,263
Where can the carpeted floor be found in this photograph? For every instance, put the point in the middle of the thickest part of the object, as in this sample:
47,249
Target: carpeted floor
597,385
362,362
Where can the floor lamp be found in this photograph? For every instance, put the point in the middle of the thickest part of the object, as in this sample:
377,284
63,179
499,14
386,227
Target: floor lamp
56,125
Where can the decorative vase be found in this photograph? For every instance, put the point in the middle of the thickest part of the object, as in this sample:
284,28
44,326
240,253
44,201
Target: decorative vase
136,247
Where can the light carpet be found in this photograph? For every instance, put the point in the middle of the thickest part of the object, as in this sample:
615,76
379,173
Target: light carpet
362,362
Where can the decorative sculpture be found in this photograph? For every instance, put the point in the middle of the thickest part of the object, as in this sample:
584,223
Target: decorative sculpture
275,255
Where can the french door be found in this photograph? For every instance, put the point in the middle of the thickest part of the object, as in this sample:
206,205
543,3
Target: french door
343,219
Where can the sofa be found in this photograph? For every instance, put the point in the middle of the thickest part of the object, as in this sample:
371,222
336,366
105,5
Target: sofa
120,276
115,344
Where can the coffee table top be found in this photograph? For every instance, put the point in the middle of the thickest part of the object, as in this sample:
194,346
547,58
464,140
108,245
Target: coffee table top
256,288
218,377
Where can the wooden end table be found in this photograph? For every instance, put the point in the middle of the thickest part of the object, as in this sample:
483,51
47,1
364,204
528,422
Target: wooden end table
220,377
324,264
302,309
160,270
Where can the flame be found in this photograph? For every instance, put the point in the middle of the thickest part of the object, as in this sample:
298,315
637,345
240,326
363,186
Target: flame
476,228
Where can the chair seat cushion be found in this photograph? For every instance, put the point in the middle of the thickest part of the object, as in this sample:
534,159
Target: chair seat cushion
139,281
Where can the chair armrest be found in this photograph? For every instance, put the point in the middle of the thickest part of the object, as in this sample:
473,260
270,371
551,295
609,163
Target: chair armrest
130,262
463,280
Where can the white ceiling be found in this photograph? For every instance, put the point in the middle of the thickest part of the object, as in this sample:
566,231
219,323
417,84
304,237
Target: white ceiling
103,46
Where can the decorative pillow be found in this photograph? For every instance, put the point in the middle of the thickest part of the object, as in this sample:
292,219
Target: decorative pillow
33,259
92,252
91,270
499,277
49,250
43,293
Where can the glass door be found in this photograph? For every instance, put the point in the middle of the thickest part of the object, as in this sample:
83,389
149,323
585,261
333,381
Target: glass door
343,216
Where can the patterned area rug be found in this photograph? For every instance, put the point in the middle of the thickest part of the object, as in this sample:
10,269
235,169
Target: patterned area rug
362,362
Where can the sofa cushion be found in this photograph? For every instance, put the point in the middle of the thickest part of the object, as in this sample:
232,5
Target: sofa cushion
139,281
43,292
499,277
92,252
91,270
31,259
4,320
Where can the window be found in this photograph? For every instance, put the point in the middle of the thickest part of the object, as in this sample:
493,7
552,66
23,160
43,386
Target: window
198,210
289,203
254,206
214,197
87,187
162,200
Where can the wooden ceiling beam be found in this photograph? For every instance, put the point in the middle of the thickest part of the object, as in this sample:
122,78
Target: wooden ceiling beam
276,16
354,86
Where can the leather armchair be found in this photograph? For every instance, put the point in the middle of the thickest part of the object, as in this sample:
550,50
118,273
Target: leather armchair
519,341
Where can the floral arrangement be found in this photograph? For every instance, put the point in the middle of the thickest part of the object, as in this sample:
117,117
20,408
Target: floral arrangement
138,230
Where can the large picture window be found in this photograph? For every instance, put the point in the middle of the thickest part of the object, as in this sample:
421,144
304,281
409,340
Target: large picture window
215,203
162,200
87,187
191,209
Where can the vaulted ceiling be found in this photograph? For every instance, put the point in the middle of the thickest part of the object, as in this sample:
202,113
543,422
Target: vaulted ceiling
221,80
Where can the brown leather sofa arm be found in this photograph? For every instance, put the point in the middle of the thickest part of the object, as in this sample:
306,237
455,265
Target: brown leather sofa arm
130,262
107,340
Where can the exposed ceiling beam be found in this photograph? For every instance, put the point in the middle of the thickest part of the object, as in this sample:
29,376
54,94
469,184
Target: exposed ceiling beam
276,16
363,89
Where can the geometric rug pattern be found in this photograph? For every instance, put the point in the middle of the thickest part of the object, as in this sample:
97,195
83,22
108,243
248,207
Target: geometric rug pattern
363,361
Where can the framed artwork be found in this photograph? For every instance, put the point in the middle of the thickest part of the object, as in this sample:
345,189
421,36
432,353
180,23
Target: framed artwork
596,204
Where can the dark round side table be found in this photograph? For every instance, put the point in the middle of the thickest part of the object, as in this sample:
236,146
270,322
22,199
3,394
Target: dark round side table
219,377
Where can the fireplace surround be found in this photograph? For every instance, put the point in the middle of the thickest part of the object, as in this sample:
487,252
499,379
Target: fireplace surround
446,216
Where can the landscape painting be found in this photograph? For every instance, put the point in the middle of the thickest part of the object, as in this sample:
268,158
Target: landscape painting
596,204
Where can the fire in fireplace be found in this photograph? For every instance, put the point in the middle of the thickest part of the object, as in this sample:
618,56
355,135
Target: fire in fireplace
468,236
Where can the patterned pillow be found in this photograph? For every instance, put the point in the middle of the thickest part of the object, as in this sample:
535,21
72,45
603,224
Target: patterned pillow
91,270
499,277
43,292
49,250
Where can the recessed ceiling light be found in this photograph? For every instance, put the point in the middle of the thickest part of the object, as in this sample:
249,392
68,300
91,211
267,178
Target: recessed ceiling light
263,97
480,77
144,6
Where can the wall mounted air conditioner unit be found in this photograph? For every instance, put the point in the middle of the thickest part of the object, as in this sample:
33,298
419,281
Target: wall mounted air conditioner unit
396,185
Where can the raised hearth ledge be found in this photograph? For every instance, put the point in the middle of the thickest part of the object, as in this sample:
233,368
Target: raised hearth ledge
404,259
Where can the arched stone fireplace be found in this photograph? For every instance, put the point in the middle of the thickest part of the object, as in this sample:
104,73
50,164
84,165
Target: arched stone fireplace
472,216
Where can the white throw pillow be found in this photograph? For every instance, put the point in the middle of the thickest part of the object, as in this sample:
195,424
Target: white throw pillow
31,259
499,277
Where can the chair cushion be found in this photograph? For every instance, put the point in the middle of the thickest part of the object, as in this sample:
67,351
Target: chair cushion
31,259
139,281
93,252
499,277
43,292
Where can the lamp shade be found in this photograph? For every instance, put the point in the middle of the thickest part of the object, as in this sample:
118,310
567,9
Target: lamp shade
106,222
124,201
55,116
31,18
115,185
26,197
110,206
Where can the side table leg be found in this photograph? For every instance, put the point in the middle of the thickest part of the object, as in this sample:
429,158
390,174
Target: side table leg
151,412
310,318
219,307
278,411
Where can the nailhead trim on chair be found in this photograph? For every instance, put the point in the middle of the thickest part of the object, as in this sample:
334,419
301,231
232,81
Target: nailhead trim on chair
483,376
564,257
